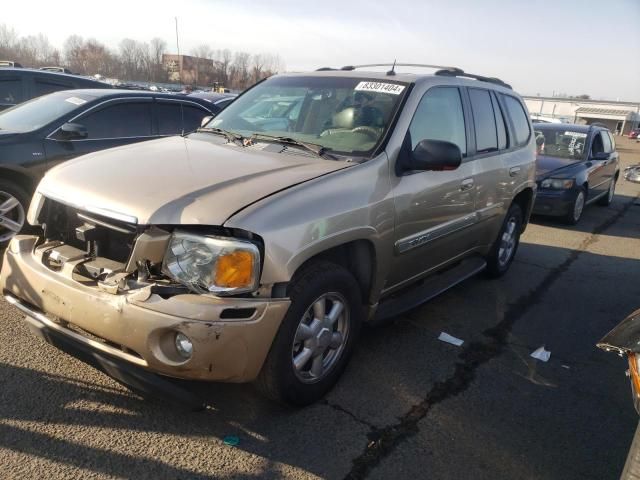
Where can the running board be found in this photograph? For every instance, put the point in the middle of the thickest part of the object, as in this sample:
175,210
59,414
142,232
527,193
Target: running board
429,288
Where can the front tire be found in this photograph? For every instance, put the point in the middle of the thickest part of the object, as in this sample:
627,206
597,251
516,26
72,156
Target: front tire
577,207
504,248
316,337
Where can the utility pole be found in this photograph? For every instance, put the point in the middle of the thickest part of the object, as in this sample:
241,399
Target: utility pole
178,47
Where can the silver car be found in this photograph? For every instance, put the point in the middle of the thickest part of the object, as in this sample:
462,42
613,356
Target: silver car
254,250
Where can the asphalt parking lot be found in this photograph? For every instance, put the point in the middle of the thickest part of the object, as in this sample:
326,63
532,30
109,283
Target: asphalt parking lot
408,406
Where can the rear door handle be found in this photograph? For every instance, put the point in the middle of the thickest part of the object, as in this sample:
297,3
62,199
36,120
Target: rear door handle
466,184
513,171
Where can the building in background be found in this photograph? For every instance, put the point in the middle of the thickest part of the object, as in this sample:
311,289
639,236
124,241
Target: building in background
620,117
188,70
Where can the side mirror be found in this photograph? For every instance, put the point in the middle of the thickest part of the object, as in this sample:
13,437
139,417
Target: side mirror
435,155
73,131
540,141
206,120
600,156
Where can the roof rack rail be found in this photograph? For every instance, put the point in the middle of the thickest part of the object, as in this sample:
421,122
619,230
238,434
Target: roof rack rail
442,70
457,72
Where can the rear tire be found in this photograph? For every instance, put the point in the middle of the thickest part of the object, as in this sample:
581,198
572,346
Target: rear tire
313,345
504,248
608,198
13,214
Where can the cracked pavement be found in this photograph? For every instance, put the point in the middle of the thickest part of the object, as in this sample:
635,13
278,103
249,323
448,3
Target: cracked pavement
408,406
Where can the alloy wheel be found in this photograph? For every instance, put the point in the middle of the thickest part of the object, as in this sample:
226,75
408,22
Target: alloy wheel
321,337
507,242
578,206
12,216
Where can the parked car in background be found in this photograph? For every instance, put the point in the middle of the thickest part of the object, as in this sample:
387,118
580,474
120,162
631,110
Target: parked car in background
45,131
56,69
254,250
634,133
576,165
18,85
218,100
540,119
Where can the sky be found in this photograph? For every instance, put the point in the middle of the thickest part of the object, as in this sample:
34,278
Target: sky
538,46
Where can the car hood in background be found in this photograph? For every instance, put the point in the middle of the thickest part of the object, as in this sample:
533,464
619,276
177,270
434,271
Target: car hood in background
625,337
181,180
545,165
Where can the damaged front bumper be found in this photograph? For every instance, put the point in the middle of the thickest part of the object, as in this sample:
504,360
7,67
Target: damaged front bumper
231,336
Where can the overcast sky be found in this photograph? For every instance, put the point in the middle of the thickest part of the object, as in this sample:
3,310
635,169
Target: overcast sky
569,46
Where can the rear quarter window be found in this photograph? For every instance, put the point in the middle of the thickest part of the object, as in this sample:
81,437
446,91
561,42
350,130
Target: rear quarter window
10,91
521,129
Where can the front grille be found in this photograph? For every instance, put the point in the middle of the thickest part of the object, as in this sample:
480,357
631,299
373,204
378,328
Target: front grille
97,235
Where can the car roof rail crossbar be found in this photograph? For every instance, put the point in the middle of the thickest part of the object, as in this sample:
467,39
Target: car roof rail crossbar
457,72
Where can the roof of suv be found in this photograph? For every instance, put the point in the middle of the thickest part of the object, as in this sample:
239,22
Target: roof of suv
568,126
48,74
447,75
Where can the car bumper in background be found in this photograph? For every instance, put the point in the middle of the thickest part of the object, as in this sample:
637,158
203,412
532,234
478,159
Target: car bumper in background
555,203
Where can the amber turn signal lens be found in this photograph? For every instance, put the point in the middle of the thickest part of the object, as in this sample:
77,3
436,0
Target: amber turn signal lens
234,270
634,374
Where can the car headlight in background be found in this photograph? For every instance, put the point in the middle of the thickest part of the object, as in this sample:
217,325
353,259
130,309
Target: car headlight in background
220,265
557,183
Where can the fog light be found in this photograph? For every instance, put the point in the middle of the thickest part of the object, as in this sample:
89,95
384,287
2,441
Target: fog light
184,345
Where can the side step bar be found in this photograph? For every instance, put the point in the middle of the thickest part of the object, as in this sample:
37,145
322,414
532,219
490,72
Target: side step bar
429,288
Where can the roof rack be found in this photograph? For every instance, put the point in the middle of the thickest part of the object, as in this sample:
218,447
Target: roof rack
442,70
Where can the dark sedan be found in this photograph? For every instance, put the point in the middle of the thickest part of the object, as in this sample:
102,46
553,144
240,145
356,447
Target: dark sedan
38,134
576,165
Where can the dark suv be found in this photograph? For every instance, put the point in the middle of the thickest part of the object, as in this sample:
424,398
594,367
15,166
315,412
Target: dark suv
18,85
42,132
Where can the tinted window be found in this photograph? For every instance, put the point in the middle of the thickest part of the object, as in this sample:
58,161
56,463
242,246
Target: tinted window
606,142
42,87
483,120
439,117
169,118
224,103
10,92
193,117
597,146
613,142
121,120
500,123
519,119
41,111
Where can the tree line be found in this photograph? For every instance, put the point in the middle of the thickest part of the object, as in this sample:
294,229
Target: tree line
134,60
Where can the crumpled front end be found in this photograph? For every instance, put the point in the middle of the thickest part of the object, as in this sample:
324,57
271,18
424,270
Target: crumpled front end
101,286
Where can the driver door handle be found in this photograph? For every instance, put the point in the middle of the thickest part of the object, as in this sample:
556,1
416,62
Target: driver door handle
466,184
513,171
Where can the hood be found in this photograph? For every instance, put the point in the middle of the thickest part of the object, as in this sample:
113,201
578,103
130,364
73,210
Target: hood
546,165
199,179
8,134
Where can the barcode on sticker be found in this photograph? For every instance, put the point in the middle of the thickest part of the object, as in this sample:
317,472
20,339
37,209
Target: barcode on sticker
380,87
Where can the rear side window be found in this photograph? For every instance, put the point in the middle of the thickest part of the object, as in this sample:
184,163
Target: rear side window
439,116
192,117
169,118
519,118
10,92
41,87
606,142
119,121
483,120
500,123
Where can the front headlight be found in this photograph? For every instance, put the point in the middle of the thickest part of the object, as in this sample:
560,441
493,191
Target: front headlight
557,183
220,265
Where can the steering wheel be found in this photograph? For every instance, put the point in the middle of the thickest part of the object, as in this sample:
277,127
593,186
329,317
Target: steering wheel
369,131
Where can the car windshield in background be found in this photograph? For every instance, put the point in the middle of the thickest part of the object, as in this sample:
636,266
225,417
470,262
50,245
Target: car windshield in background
343,115
41,111
561,143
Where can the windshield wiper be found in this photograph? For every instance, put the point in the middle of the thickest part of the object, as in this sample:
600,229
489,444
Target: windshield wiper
319,150
230,136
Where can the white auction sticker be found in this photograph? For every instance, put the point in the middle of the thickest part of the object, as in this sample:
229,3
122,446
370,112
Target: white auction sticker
575,134
381,87
76,100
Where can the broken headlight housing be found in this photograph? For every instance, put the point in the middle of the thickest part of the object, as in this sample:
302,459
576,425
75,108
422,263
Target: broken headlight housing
219,265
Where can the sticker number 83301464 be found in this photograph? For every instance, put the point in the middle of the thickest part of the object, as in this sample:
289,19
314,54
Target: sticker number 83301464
381,87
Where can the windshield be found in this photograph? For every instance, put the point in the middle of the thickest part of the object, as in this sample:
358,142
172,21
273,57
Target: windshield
343,115
36,113
566,144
